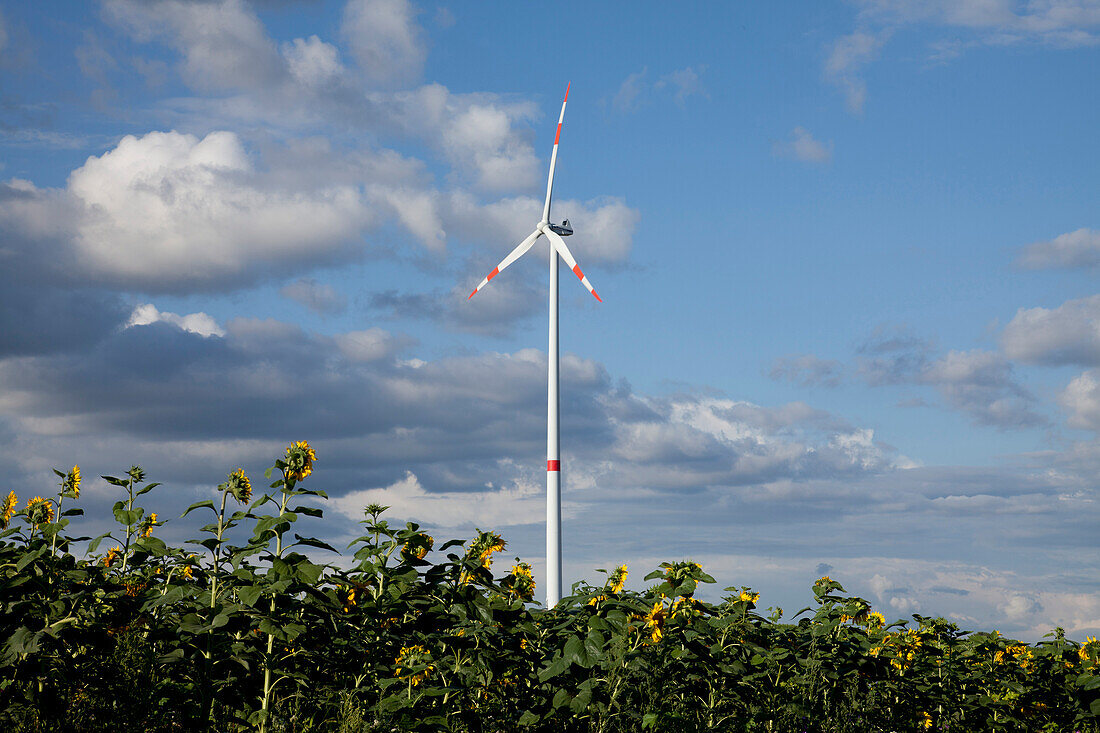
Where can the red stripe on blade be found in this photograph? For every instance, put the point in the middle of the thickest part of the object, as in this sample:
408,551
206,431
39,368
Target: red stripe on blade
566,92
553,465
558,136
577,271
494,273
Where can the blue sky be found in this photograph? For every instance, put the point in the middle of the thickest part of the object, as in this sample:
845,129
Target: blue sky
848,254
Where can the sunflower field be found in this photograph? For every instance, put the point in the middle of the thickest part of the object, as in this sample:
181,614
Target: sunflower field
247,628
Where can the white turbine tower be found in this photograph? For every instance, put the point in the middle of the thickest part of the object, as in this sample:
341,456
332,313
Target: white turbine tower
553,233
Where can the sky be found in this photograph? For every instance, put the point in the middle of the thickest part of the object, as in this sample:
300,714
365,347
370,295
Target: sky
848,253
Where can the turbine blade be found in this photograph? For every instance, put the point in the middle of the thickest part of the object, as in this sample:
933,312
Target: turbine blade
559,244
554,158
514,255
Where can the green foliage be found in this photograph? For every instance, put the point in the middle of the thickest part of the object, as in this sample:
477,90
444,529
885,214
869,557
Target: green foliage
405,635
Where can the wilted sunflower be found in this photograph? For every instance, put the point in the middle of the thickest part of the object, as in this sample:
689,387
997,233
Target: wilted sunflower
39,511
618,579
239,487
8,509
299,460
72,482
409,660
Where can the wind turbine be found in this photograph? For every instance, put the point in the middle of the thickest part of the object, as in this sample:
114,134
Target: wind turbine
553,233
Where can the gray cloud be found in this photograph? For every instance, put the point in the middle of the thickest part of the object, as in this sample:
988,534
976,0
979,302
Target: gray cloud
1076,249
1067,334
978,383
635,91
318,297
806,370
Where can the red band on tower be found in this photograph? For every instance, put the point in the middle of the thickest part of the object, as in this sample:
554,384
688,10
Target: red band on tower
553,465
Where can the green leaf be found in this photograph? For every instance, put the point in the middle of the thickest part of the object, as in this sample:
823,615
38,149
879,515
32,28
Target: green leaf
148,488
314,542
249,594
199,504
649,721
561,699
528,718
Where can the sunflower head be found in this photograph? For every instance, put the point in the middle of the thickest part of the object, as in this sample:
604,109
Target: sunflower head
112,556
148,524
299,460
521,583
39,511
238,486
413,664
1090,650
618,579
484,546
417,546
748,596
136,473
8,509
71,484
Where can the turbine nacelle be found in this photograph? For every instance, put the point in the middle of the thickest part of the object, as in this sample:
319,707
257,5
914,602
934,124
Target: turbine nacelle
563,229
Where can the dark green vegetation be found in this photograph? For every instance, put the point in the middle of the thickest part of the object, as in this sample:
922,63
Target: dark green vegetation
225,637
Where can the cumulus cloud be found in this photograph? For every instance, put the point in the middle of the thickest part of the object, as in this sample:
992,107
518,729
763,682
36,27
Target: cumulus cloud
385,39
1068,334
318,297
1081,399
167,209
978,383
1076,249
803,146
199,323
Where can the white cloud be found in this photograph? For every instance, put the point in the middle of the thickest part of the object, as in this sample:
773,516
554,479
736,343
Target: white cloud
224,45
846,59
1068,334
803,146
635,91
168,208
369,345
1076,249
685,83
312,62
522,503
199,323
385,39
1081,399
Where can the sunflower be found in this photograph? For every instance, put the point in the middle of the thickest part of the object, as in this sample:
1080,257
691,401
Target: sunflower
149,524
299,460
111,556
409,660
618,579
72,482
748,596
521,582
1089,650
417,546
875,620
8,509
655,621
39,511
238,486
